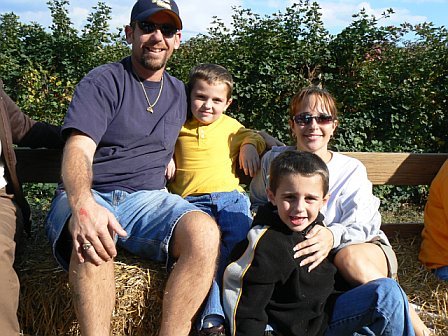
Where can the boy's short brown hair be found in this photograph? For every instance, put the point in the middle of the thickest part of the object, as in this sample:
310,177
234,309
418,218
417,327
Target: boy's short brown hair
212,74
297,162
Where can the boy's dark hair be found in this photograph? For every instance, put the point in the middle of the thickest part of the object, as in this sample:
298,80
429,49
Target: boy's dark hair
212,74
296,162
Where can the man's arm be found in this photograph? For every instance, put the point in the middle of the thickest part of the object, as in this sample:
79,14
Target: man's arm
90,222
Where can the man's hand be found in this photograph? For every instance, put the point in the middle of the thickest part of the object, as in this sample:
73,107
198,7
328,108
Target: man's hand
95,225
249,159
318,244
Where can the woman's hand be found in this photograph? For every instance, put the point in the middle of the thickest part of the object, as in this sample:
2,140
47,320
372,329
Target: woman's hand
318,245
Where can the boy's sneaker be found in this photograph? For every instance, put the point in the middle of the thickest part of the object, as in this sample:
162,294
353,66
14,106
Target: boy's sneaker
213,331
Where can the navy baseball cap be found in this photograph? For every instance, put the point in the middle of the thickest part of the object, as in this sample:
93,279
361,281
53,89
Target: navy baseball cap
145,8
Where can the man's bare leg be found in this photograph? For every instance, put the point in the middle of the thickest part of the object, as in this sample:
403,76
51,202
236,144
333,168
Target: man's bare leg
195,244
93,295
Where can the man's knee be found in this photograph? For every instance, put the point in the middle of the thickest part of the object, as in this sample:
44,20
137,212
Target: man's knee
197,233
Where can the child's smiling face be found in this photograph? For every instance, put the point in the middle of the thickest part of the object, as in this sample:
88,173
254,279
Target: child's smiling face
298,199
209,101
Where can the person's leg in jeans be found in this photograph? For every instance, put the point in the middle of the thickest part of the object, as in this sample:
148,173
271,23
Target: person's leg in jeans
158,224
10,216
379,307
441,273
231,211
234,219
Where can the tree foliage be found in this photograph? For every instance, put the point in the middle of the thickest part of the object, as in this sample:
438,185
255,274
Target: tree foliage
40,67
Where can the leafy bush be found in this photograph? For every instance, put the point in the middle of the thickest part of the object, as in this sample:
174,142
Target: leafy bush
41,68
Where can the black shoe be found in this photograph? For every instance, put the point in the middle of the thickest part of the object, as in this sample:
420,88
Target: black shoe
213,331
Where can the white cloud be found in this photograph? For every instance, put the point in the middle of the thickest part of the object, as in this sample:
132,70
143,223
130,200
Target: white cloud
197,15
337,15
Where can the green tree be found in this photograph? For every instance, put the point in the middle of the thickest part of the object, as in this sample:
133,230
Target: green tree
40,67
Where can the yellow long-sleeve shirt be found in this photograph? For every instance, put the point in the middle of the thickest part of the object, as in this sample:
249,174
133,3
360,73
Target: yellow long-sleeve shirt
434,248
205,154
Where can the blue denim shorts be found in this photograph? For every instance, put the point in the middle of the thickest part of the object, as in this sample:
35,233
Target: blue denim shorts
149,218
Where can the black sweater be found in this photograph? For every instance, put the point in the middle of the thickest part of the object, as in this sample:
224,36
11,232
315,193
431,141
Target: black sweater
266,284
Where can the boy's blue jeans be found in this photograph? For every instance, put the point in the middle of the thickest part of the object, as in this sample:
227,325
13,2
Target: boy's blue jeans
379,307
231,210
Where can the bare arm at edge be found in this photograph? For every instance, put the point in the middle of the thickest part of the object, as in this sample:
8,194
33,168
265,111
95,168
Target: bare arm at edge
90,222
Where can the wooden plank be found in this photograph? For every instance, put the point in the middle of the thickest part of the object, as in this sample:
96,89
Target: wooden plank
403,229
38,165
400,168
43,165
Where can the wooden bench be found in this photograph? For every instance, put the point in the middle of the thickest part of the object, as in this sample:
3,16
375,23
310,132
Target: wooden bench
398,169
43,166
401,169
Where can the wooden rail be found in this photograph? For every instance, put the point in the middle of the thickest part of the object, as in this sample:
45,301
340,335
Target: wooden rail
400,168
44,165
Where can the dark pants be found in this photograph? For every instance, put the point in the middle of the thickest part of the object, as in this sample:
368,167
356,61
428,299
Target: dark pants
10,220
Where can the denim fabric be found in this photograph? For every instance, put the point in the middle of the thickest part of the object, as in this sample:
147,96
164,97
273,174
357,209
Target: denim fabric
149,218
379,307
441,273
231,210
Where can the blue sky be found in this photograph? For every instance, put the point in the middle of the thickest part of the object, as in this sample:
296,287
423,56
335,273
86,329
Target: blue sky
197,14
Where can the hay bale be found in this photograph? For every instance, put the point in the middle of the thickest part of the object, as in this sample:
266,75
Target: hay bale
428,294
45,306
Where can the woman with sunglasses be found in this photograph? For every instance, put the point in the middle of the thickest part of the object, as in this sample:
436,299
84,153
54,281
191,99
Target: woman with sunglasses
352,236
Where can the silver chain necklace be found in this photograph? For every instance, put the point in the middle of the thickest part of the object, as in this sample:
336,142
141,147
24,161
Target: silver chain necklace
150,107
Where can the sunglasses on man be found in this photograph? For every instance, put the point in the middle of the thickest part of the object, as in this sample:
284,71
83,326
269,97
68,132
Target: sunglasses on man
303,119
167,30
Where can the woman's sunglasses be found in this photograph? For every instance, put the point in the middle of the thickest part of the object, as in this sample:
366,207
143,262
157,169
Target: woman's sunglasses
303,119
167,30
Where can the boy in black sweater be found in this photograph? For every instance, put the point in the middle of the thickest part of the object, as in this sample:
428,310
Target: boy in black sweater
266,285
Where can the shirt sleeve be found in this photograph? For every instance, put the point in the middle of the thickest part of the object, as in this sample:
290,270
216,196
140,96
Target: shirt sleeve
355,216
251,318
93,105
20,123
245,136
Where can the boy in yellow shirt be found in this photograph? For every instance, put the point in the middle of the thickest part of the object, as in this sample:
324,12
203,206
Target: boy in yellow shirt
205,162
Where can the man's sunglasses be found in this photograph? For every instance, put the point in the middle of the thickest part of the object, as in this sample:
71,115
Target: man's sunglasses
167,30
303,119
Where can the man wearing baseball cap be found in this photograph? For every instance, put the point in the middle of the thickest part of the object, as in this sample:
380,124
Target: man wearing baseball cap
121,127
